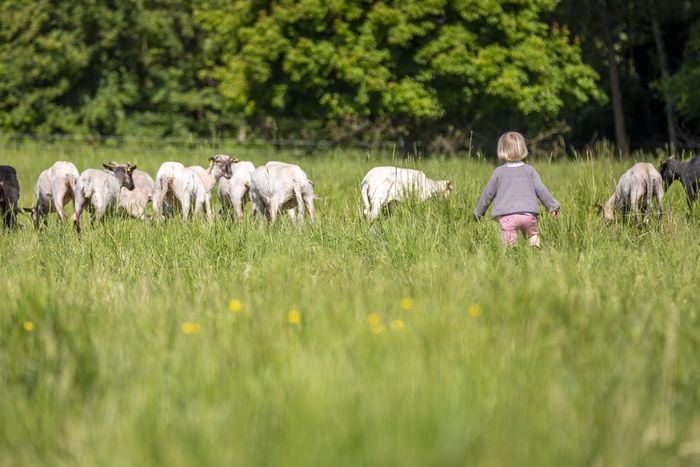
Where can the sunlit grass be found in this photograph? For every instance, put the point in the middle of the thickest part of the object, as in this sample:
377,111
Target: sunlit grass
416,340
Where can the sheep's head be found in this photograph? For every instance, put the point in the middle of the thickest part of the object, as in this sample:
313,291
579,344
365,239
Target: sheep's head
668,174
34,214
606,210
220,165
123,172
445,187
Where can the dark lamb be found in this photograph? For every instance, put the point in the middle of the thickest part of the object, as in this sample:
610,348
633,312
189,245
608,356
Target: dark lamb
9,195
688,173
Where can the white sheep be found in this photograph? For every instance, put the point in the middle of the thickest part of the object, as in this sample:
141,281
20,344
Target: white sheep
98,190
278,185
188,186
383,186
134,201
636,189
234,192
54,189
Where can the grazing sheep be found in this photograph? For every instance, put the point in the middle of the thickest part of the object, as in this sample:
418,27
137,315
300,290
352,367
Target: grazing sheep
134,201
383,186
188,185
9,195
98,190
234,192
636,189
278,185
688,173
54,190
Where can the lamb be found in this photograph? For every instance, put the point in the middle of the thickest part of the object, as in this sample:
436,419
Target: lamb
9,196
234,192
54,189
134,201
688,173
189,185
384,186
278,185
98,190
636,188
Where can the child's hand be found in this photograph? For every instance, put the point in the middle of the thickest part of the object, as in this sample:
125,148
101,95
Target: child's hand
555,213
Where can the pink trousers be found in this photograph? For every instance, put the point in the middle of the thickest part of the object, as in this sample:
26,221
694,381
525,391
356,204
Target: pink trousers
511,223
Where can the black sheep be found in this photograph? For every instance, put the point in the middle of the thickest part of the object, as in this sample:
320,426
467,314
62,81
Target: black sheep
688,173
9,195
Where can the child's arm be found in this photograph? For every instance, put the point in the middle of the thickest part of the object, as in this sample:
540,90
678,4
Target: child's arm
486,197
544,195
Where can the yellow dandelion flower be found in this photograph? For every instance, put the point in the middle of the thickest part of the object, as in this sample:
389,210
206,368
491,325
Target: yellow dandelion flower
235,306
397,325
406,303
28,326
378,329
191,328
474,310
294,317
373,319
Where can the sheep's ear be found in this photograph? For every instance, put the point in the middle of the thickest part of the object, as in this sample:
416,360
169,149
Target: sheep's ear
131,168
235,161
108,167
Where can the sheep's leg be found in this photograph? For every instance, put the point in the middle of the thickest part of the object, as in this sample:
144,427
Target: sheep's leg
300,203
185,202
207,208
309,202
58,204
272,210
197,205
78,214
238,208
292,215
238,201
660,199
634,206
42,214
375,210
157,201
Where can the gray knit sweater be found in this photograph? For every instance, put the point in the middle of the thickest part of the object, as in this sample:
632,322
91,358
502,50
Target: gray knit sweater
516,187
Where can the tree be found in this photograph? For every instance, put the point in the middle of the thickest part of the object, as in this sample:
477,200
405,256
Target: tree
101,67
682,87
420,65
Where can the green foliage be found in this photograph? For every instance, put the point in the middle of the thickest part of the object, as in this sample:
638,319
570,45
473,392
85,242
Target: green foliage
129,67
683,87
411,62
584,353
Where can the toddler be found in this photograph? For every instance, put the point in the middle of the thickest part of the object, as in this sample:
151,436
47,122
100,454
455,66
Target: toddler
516,187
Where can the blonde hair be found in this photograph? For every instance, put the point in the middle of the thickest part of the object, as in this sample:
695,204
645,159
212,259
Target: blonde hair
511,147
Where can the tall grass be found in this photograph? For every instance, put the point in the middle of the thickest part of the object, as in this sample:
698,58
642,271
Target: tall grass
583,353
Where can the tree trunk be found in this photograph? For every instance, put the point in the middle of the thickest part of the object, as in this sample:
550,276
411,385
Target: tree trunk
663,65
615,89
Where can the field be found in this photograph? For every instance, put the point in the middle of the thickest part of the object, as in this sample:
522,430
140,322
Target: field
415,341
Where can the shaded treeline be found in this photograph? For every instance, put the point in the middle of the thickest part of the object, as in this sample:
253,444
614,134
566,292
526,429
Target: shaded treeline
433,75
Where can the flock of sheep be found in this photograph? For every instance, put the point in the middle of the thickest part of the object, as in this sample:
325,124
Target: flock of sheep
273,187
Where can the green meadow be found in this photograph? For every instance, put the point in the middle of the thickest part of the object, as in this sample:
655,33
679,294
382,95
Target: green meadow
415,341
